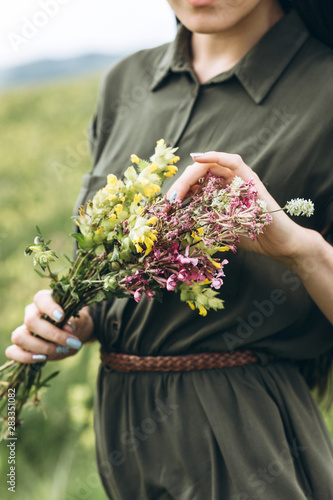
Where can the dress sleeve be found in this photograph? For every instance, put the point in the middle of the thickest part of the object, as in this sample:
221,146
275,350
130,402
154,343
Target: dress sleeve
97,126
98,129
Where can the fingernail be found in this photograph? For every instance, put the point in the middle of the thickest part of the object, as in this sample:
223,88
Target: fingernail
61,349
72,325
197,155
57,314
173,196
75,343
39,357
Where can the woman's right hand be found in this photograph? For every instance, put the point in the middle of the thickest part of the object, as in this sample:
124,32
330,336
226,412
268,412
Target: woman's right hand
52,343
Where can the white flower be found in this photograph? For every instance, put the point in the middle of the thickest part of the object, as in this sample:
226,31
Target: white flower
262,205
236,183
221,201
300,206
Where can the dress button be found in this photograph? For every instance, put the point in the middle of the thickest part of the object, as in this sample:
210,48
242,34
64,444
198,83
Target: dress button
115,326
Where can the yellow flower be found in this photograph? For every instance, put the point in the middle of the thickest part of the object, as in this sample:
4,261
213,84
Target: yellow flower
112,179
223,249
195,237
206,282
118,208
171,171
190,303
142,233
149,245
216,264
160,142
151,190
138,248
175,159
137,198
152,220
153,167
195,233
112,217
202,311
135,159
100,230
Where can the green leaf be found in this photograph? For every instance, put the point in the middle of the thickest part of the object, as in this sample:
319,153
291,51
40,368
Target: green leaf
100,296
131,174
41,274
115,255
142,165
75,295
67,258
28,251
47,379
64,286
82,241
100,250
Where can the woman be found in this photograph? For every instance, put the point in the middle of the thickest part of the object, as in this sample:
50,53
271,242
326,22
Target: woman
244,77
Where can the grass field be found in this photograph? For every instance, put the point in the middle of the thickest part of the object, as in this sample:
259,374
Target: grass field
43,157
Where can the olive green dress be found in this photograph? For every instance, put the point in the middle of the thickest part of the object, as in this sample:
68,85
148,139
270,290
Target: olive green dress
242,433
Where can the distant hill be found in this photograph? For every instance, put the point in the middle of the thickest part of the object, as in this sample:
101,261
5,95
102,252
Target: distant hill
55,69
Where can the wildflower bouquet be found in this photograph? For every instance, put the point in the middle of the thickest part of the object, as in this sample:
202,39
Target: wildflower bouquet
133,241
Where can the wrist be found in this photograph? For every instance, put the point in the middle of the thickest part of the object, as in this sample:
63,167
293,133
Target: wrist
309,247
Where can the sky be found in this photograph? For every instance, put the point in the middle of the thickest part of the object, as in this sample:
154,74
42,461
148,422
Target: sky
37,29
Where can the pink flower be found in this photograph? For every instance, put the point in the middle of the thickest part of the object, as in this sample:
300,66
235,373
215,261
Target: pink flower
137,295
182,275
187,259
216,283
171,283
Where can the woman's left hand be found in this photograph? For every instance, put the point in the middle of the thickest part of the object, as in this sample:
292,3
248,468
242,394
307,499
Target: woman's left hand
281,239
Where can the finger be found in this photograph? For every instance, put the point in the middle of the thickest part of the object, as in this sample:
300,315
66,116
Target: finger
233,162
190,177
40,326
70,327
45,303
23,338
16,353
236,166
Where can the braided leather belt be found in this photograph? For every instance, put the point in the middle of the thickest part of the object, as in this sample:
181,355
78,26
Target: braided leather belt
183,363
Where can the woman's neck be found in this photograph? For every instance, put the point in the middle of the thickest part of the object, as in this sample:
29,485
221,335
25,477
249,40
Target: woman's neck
215,53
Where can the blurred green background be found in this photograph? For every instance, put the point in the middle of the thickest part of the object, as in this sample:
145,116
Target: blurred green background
43,157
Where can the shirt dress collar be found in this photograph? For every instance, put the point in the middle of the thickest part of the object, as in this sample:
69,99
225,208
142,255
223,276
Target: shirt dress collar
257,71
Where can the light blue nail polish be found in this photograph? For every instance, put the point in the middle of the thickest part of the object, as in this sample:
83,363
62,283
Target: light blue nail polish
61,349
75,343
173,196
39,357
69,323
197,155
57,314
